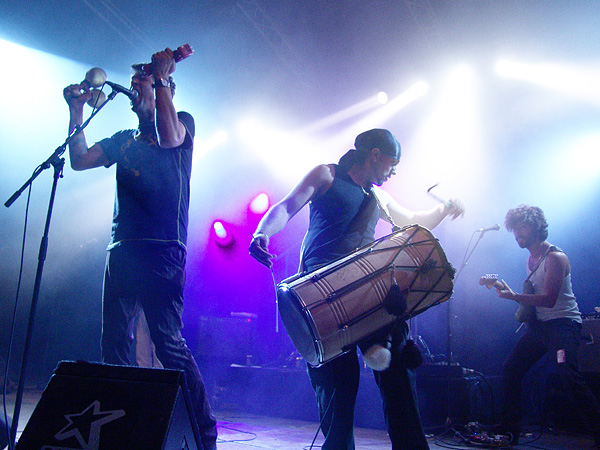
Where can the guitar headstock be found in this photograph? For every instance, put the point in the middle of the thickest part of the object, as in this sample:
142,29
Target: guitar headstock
489,280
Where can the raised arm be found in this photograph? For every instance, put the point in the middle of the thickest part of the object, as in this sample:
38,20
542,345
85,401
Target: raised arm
315,183
170,131
81,157
428,219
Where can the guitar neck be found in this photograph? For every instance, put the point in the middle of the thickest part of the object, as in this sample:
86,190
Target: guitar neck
491,281
497,285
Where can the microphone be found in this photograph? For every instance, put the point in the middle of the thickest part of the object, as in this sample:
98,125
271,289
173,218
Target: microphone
492,228
123,90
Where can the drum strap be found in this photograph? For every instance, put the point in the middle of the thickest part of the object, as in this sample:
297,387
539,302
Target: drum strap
384,209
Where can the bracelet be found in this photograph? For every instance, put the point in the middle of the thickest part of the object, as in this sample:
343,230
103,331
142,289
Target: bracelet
260,233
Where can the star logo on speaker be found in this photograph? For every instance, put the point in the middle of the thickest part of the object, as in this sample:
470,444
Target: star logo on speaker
85,426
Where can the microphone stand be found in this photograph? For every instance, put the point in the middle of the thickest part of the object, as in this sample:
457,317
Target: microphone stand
449,358
58,163
449,315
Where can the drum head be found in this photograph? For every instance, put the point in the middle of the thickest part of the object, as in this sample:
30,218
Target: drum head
297,325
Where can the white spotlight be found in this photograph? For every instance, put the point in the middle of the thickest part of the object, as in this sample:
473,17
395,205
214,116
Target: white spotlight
391,107
450,137
289,154
214,141
582,159
577,82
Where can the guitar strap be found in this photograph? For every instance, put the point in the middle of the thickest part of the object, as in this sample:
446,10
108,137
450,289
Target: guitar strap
526,313
552,248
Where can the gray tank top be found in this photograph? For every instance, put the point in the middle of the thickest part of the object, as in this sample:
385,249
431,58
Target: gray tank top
566,304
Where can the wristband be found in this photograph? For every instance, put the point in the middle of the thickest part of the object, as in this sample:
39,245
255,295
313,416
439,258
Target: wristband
162,82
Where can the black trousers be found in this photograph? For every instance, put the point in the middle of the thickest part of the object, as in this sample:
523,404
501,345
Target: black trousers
153,276
4,431
336,386
560,338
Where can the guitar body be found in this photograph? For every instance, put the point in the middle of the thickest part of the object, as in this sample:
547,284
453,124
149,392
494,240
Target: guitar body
525,313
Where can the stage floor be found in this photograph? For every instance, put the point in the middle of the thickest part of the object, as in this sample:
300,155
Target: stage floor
239,430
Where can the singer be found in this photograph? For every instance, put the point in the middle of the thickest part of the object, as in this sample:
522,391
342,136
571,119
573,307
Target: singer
556,328
146,258
344,209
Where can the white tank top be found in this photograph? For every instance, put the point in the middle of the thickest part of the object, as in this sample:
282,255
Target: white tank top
566,304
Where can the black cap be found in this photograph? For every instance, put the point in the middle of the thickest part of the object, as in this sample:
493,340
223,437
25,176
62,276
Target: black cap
379,138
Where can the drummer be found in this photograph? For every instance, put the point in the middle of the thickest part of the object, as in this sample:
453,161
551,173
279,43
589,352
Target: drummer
345,206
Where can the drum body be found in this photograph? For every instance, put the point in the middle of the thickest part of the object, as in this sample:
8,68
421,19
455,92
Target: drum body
327,311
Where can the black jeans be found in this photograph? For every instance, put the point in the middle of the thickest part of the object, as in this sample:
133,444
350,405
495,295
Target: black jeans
153,276
4,431
336,386
560,338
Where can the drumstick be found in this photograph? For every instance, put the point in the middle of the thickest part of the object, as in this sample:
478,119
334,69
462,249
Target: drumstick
446,202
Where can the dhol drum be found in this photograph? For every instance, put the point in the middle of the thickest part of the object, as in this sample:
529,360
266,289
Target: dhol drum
327,311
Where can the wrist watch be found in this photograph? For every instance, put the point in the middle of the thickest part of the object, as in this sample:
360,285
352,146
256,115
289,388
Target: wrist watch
161,82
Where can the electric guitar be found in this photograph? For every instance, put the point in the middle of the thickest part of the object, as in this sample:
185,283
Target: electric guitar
525,313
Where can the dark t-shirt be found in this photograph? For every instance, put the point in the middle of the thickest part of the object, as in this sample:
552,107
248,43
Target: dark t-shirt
341,220
153,185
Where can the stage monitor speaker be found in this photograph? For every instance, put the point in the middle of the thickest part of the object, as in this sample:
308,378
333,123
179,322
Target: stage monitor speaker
589,347
94,406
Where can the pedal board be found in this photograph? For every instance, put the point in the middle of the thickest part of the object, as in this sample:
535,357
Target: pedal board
485,440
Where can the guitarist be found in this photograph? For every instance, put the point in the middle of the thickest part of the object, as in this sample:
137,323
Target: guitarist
556,329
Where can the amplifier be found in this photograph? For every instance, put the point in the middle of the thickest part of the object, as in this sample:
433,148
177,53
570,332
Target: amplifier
228,339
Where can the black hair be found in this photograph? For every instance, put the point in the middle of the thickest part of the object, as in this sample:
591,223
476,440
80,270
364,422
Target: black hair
531,215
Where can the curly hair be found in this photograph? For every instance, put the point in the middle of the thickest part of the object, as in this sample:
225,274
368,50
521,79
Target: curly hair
524,214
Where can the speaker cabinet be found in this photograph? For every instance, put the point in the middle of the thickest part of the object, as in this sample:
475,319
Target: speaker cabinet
226,339
104,407
443,394
589,347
